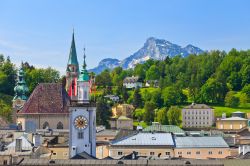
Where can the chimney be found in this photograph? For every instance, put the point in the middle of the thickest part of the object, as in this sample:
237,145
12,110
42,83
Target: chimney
18,147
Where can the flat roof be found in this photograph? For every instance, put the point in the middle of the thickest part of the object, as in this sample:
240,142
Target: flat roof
200,142
146,139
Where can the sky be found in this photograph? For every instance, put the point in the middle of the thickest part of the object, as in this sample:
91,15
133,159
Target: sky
40,31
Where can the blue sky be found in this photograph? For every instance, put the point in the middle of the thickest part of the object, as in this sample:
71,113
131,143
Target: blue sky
40,31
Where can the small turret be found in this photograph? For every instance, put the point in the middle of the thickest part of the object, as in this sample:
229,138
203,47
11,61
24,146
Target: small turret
21,89
83,85
21,92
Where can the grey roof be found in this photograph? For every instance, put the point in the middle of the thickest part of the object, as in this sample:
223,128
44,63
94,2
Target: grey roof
146,139
234,118
197,106
200,142
107,132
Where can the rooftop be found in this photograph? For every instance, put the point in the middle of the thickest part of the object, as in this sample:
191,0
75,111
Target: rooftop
47,98
197,106
164,128
200,142
234,118
146,139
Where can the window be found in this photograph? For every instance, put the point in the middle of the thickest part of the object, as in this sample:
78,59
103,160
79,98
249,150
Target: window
119,153
59,125
179,152
210,152
5,162
168,153
189,153
45,125
54,154
80,135
65,154
152,153
220,152
198,152
85,95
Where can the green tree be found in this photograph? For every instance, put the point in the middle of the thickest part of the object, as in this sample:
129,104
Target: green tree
173,115
162,117
103,79
153,73
149,113
137,100
231,100
102,112
125,94
138,114
243,99
246,90
172,96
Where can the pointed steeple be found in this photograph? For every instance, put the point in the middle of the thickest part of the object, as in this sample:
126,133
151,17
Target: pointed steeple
72,54
84,75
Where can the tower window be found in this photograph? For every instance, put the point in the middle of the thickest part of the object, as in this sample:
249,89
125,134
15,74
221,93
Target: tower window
73,86
45,125
80,135
85,95
59,125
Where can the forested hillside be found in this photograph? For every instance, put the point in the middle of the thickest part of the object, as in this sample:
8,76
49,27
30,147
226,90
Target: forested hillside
215,78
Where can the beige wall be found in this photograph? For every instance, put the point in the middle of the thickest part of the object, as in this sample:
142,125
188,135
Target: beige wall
197,117
125,124
40,119
142,151
102,151
204,153
230,124
59,152
121,124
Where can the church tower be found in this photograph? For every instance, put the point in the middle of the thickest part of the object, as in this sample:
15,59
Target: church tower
82,123
72,71
21,91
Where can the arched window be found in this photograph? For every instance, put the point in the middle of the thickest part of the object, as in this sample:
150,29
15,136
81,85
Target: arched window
59,125
45,125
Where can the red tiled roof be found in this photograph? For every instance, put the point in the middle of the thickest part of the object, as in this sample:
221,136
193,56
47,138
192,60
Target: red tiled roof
47,98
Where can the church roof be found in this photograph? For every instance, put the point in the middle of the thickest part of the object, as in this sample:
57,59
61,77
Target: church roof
47,98
72,54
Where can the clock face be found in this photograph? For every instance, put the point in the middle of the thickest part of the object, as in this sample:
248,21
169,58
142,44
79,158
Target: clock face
81,122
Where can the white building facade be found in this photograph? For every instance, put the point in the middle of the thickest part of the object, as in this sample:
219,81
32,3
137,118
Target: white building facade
197,116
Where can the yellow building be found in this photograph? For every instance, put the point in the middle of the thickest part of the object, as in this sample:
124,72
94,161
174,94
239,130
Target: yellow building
123,110
233,123
201,147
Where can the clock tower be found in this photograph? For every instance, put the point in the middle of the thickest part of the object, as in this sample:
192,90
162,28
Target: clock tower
82,123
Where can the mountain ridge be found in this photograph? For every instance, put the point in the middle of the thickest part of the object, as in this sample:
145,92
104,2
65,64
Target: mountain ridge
153,48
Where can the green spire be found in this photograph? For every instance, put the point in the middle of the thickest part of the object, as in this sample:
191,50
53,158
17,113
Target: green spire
72,54
21,88
84,76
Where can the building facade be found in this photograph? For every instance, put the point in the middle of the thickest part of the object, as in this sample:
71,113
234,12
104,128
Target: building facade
197,116
201,147
233,123
132,82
